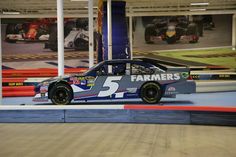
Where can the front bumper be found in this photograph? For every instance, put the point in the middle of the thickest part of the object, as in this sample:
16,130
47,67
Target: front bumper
41,97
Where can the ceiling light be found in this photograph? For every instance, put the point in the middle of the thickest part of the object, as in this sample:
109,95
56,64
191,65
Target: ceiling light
10,12
198,9
79,0
200,3
93,7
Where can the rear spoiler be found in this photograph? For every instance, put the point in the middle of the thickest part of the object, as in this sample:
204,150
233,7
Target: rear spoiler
159,63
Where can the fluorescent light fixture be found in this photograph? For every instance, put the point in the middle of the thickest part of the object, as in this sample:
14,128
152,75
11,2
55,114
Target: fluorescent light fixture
79,0
200,3
10,12
198,9
93,7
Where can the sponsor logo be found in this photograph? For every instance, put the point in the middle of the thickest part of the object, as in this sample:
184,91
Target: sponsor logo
83,82
171,89
15,84
43,89
87,80
185,75
156,77
90,83
131,90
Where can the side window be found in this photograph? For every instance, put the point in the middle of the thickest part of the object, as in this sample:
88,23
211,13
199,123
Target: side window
118,69
102,71
138,69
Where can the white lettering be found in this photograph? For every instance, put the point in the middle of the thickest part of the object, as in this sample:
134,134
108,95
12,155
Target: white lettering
176,76
163,77
155,77
139,78
169,76
133,77
147,77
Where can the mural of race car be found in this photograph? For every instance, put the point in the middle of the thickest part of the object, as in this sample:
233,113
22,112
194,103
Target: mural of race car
208,23
76,35
171,29
118,79
37,30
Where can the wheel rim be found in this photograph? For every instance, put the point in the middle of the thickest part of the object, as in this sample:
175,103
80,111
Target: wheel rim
61,96
151,93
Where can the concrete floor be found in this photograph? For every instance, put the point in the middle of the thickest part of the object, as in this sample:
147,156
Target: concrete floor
116,140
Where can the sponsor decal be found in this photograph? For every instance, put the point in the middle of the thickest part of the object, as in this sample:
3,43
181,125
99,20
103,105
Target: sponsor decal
156,77
43,90
171,89
75,80
90,83
15,84
83,82
185,74
131,90
87,80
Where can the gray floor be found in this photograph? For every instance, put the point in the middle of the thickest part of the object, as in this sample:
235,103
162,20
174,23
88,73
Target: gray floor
116,140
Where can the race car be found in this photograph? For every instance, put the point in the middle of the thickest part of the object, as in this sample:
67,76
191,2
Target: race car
171,29
76,35
37,30
118,79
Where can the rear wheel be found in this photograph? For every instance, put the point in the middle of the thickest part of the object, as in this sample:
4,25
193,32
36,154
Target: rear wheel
61,94
11,30
149,33
151,93
52,41
171,40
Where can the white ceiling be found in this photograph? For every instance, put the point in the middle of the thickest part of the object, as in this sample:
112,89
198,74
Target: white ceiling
47,8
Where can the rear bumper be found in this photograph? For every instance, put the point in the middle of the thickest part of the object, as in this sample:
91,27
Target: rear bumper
183,87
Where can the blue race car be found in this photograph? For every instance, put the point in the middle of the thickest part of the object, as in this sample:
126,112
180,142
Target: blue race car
118,79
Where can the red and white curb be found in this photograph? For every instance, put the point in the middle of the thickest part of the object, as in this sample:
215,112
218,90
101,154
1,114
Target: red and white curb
121,107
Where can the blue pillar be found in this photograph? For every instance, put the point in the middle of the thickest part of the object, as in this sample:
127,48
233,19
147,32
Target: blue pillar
120,42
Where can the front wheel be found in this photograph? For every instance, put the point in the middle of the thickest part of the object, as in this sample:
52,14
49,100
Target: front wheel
61,94
151,93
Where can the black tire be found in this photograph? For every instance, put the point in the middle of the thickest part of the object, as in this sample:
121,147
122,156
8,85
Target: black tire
149,32
52,41
10,30
61,94
81,44
68,27
151,93
171,40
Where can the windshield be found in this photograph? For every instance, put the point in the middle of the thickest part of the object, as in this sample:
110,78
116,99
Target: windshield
92,69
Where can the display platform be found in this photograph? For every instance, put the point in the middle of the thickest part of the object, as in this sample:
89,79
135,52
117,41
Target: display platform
202,108
140,113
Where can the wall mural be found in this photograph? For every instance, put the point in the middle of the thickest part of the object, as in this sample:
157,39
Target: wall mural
37,38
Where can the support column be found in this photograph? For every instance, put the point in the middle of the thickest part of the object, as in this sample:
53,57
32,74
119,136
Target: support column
131,33
0,62
109,33
91,37
234,32
60,37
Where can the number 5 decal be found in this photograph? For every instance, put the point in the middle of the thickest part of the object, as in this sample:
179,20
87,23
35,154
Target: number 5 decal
112,86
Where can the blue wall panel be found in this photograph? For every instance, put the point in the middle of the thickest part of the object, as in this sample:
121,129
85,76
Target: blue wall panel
31,116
